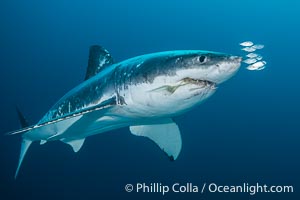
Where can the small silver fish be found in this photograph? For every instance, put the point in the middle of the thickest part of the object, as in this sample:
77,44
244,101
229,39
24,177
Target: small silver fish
250,61
257,66
252,55
260,63
246,44
252,68
259,58
249,49
258,46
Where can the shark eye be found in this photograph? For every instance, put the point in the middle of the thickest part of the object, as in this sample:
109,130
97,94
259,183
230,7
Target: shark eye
202,59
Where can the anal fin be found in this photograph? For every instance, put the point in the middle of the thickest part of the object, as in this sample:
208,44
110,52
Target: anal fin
43,142
166,135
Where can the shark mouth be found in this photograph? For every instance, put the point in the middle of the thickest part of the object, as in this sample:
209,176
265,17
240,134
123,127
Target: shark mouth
203,83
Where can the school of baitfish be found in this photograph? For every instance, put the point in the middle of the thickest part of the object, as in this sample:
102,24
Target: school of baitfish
253,60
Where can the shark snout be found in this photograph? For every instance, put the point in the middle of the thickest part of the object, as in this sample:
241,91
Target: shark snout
232,63
237,59
225,69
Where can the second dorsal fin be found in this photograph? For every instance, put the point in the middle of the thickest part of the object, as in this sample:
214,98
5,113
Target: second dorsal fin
99,58
22,119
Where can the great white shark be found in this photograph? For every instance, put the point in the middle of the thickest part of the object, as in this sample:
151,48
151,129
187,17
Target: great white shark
143,93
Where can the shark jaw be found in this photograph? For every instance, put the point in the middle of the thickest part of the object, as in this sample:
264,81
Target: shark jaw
200,83
187,81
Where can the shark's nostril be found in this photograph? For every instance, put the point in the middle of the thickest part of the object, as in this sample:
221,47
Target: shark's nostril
236,58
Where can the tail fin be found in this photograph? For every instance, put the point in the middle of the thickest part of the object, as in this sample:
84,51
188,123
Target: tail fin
24,147
25,143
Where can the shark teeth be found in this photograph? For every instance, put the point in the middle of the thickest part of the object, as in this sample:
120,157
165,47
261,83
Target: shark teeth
199,82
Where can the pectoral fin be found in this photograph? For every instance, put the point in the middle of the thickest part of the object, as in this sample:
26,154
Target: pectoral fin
166,135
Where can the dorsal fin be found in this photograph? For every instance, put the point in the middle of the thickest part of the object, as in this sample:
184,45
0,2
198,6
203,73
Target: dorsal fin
99,58
24,123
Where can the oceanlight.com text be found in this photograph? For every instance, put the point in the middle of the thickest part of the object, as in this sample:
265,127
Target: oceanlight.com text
251,189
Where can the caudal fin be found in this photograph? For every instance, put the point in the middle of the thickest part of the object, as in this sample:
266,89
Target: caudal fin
24,147
25,142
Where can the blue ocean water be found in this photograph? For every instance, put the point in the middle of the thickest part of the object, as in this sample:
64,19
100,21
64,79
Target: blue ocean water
247,132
